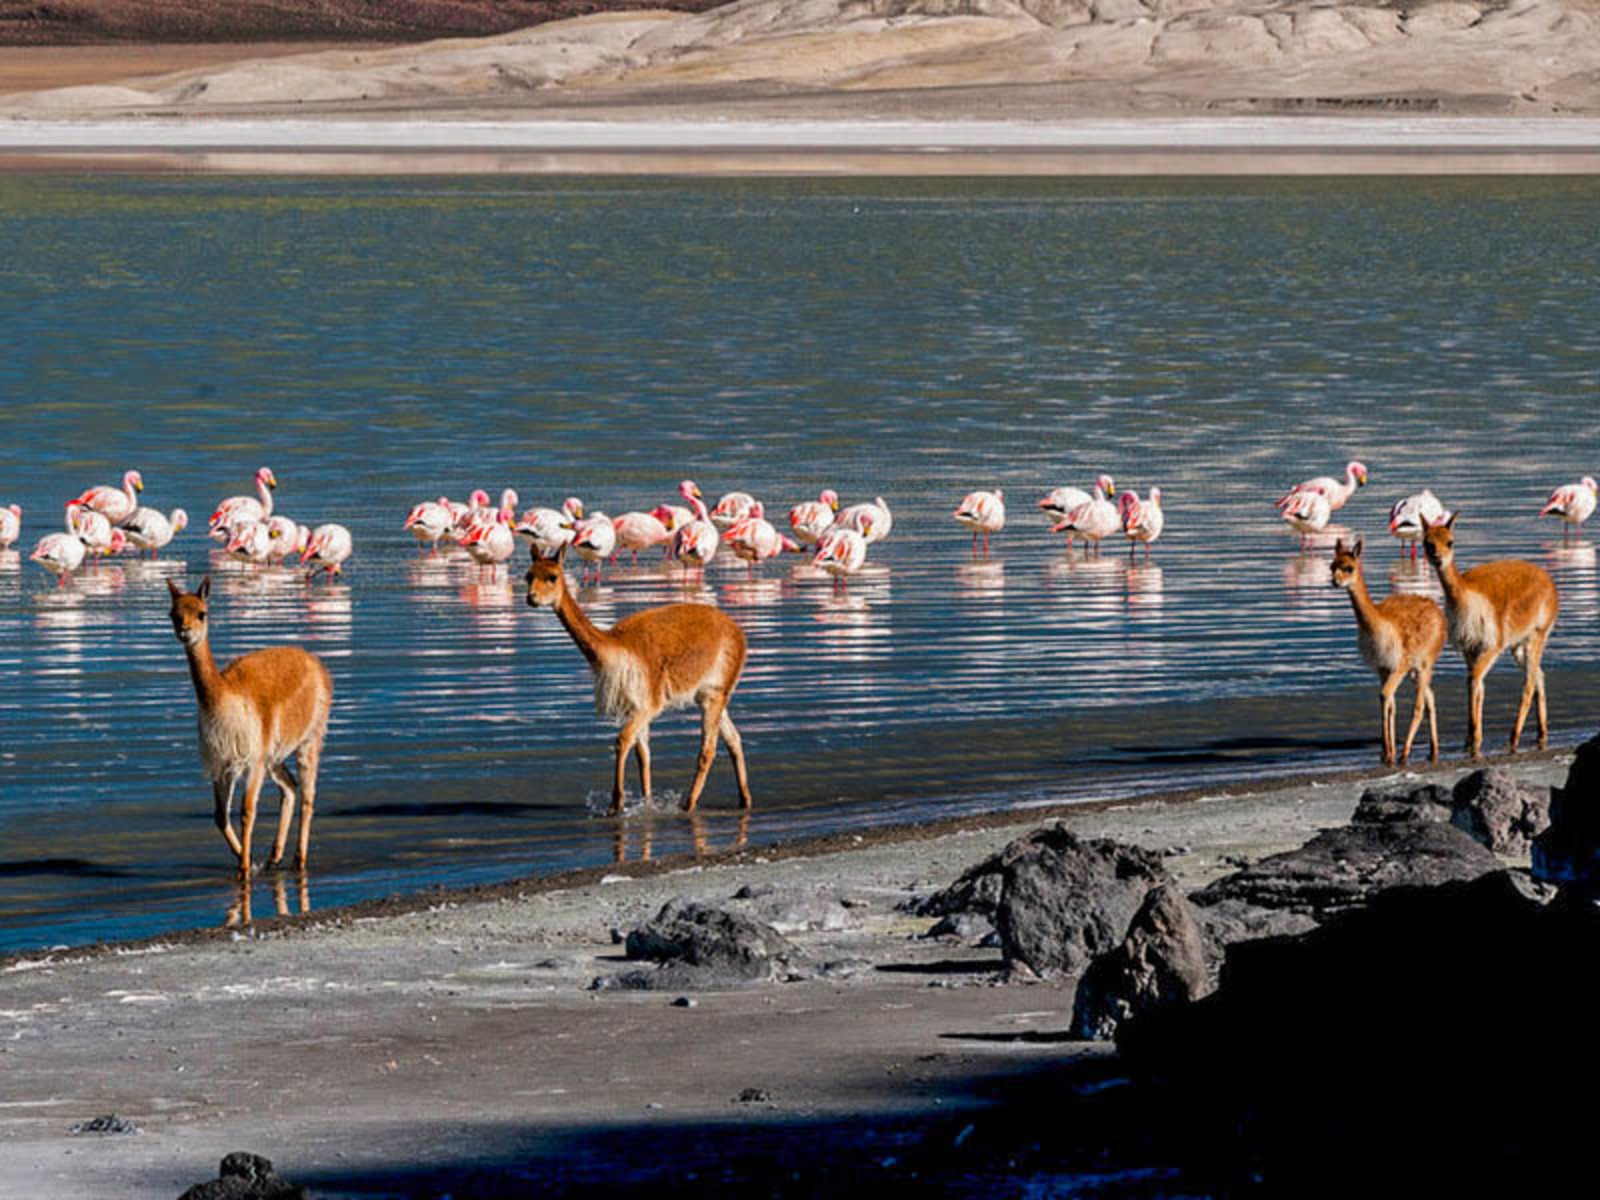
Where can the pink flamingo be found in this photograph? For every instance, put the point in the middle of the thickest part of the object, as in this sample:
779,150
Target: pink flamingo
236,510
1142,520
1337,491
1094,520
1058,503
1409,519
1308,512
330,545
695,543
10,525
983,513
550,529
595,540
755,539
811,518
841,553
638,531
731,509
1574,503
115,504
430,522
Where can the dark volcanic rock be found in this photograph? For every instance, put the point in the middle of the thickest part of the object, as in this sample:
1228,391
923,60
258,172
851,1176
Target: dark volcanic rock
245,1177
1065,901
795,909
1344,868
699,947
1230,921
1568,852
1499,810
1160,963
976,892
1395,1051
1405,802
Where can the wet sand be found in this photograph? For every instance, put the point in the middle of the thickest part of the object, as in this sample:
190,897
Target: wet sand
454,1035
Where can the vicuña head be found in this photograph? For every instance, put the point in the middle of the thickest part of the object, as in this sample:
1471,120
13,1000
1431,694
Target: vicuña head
1346,562
547,578
188,611
1439,540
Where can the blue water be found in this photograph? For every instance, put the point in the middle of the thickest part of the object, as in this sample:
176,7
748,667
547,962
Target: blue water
380,342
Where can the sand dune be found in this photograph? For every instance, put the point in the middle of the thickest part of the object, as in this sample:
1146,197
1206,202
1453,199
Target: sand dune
1527,57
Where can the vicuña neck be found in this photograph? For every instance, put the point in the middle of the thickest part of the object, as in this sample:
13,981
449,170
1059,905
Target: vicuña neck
203,670
1361,601
590,638
1450,580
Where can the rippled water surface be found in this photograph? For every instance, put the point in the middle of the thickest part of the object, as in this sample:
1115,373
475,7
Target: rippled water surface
377,343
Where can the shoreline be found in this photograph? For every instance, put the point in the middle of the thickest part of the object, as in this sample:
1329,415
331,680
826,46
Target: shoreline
265,141
466,1049
885,836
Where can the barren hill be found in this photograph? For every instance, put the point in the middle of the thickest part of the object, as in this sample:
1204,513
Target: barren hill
1478,56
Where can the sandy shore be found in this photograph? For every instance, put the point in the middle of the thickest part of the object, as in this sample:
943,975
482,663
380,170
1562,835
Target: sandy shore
1167,146
460,1037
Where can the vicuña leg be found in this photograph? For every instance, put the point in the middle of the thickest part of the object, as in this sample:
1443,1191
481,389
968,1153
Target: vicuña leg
1387,707
1476,671
626,736
286,794
1538,673
1426,684
641,752
1416,717
711,707
222,794
1524,655
735,744
247,816
310,758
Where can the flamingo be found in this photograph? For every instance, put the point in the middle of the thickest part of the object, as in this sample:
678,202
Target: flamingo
430,522
864,517
330,545
550,529
115,504
461,514
638,531
150,529
695,543
755,539
1409,518
731,509
1309,512
985,513
673,516
1093,520
1338,492
10,525
93,528
285,537
1058,503
595,540
842,552
491,542
59,553
810,518
1142,520
237,509
1574,503
251,542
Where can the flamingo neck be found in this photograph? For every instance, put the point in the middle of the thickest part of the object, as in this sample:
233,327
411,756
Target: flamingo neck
700,512
266,498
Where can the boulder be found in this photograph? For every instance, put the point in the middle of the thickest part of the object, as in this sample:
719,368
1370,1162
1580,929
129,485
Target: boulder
700,947
792,909
244,1176
1496,808
1065,901
1567,854
1160,963
1402,1043
1229,921
1342,869
976,892
1406,802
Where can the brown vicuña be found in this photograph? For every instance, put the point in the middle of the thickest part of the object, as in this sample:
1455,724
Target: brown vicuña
1498,606
666,657
255,714
1399,636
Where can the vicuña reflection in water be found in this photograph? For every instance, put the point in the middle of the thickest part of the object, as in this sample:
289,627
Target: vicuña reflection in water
638,838
241,912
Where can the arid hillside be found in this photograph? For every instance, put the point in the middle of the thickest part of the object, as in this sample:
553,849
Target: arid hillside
982,57
91,22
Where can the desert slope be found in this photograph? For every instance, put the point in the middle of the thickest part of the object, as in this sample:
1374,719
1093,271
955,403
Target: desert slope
1526,57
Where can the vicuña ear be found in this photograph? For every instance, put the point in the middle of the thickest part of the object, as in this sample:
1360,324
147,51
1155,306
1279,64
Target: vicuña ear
173,587
561,554
1338,546
204,590
1356,549
1450,521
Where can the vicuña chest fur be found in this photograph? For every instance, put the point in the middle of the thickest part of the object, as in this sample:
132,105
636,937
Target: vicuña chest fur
1474,623
1381,647
230,736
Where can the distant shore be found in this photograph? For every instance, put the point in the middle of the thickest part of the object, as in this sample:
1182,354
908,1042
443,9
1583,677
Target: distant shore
590,142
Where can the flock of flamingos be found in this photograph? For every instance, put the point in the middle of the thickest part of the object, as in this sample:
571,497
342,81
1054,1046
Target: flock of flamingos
272,705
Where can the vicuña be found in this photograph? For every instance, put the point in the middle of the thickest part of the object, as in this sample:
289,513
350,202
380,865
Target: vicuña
666,657
255,714
1498,606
